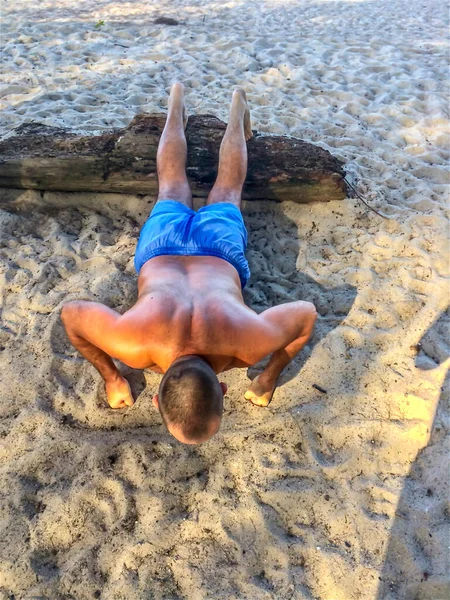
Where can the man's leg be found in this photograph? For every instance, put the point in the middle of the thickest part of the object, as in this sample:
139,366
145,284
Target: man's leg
172,152
233,154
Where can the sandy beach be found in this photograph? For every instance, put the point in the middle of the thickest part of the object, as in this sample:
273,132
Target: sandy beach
339,494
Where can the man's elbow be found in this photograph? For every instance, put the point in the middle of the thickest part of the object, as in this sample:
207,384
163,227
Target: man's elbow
69,312
310,317
310,311
66,310
313,317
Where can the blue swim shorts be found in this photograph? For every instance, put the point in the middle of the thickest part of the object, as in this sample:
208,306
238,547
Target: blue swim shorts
214,230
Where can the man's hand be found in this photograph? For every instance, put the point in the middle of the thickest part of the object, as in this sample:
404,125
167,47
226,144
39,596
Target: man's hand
261,390
118,393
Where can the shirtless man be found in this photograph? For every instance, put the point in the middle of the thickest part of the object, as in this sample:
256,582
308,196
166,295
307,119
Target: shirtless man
190,321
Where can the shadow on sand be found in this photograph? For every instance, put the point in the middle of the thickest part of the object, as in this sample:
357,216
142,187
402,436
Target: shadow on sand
416,564
273,248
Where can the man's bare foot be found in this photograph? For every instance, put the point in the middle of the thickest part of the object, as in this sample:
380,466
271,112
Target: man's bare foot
239,110
176,105
260,391
118,393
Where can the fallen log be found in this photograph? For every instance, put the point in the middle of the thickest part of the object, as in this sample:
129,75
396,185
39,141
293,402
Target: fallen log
124,161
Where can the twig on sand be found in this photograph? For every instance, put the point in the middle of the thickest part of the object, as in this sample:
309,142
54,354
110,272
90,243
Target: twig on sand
317,387
358,195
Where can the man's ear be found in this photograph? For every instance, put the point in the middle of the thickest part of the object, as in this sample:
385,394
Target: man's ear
155,401
224,387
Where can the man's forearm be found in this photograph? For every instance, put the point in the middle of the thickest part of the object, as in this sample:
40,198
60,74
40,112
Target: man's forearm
101,361
281,358
263,386
291,326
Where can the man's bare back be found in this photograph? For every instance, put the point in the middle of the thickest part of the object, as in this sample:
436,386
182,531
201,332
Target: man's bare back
198,299
191,305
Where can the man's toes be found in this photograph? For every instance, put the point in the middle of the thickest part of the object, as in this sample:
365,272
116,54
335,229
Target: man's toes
241,92
177,87
247,126
239,106
176,99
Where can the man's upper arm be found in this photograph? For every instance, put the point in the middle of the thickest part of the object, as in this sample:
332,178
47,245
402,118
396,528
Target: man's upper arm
102,327
288,322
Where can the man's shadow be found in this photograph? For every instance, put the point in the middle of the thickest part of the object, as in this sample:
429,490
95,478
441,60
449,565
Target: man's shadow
416,563
272,252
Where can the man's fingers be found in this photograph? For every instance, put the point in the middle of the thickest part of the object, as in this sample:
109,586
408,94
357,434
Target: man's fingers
129,400
119,394
121,403
117,404
263,400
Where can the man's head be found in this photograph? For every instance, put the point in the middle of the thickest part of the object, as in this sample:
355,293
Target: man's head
190,400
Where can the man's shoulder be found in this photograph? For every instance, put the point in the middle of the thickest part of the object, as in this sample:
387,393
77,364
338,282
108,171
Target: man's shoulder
247,336
273,328
141,329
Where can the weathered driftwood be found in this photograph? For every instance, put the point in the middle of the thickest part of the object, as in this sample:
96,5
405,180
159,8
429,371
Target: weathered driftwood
124,160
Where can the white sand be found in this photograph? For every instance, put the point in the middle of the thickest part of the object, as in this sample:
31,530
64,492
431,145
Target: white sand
330,497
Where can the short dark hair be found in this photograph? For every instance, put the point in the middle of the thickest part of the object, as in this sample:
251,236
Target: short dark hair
190,396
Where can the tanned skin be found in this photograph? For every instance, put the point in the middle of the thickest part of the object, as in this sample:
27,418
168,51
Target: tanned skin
191,305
